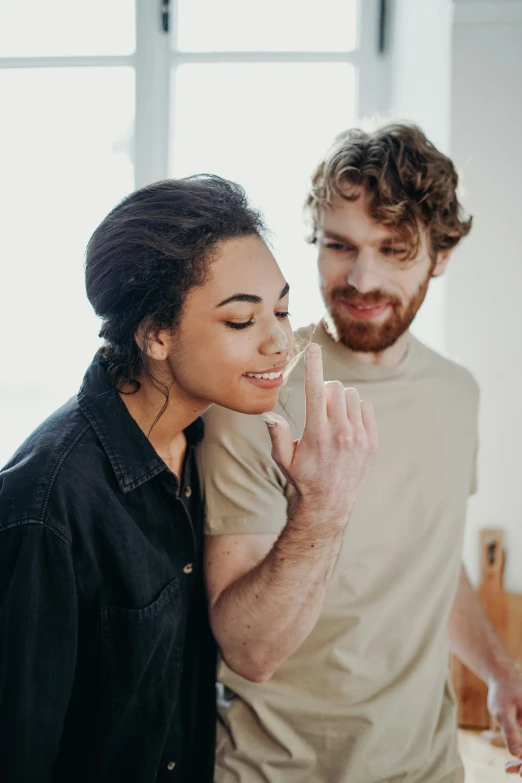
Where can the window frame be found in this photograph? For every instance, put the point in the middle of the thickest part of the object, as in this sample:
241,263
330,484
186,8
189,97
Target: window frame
155,62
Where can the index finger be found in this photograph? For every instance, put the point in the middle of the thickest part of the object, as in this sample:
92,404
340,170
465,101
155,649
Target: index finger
314,387
512,732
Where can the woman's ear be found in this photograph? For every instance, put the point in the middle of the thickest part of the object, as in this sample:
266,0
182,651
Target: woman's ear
153,342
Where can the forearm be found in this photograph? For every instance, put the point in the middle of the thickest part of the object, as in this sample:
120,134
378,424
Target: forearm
473,638
265,615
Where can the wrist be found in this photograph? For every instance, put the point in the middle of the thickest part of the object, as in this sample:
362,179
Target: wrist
311,512
502,667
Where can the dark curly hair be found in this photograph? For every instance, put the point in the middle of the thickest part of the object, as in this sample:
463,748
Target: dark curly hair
409,184
149,252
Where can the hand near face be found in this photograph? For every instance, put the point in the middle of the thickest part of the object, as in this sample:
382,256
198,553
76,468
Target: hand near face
328,464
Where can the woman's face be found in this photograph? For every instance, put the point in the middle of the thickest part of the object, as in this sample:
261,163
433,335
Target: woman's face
234,329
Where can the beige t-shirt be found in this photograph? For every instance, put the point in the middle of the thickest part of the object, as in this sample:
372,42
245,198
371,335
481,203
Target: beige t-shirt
366,698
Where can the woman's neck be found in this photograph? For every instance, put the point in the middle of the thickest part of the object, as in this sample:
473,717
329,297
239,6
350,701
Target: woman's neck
164,433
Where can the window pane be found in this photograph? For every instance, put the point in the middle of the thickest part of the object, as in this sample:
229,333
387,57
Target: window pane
53,28
65,162
267,25
265,126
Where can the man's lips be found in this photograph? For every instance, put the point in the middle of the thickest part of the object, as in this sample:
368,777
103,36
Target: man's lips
364,311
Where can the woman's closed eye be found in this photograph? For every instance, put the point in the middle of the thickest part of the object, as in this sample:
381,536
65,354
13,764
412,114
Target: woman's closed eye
239,324
281,315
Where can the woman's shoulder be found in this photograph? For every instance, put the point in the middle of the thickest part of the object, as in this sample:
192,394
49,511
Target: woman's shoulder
51,472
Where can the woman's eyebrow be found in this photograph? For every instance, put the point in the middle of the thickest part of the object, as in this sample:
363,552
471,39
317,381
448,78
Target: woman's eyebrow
284,292
253,298
241,298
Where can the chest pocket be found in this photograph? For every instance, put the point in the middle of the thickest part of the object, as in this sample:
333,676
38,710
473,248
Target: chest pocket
141,650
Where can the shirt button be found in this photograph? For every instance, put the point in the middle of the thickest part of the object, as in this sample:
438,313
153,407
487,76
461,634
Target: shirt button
187,491
171,765
188,568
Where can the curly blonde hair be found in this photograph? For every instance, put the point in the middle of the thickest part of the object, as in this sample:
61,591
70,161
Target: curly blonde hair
408,182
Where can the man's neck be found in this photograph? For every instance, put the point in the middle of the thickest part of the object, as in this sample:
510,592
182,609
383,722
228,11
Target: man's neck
390,357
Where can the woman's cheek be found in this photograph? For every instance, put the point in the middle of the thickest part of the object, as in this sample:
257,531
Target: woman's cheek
289,335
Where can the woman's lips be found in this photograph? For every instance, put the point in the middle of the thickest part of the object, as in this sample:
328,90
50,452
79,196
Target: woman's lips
270,379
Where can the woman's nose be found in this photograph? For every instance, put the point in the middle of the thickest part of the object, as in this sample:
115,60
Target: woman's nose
276,340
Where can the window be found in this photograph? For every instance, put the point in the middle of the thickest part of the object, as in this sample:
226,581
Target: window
257,94
67,91
101,99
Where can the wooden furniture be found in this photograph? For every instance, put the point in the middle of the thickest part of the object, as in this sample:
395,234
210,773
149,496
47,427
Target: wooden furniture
505,612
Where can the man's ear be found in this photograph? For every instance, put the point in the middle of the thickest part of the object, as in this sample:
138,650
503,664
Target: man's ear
441,263
152,341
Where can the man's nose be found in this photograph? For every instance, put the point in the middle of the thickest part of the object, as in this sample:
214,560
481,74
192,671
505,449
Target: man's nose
363,273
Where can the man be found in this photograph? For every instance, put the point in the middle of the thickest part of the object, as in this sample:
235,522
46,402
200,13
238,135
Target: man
344,678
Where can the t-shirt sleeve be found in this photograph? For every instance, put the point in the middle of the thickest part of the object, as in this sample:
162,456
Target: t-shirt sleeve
245,492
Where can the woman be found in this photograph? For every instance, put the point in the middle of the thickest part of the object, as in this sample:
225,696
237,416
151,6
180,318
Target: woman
106,660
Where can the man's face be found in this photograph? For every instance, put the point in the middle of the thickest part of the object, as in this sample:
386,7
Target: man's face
371,288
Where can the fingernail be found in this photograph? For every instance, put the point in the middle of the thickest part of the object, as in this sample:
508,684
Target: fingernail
313,349
269,419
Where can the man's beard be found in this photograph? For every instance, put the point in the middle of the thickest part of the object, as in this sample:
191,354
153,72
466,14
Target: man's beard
365,336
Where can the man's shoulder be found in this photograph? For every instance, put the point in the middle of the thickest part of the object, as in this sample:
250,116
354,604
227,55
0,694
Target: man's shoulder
305,335
444,369
28,479
224,424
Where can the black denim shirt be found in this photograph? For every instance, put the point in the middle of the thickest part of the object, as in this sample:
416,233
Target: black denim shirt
107,664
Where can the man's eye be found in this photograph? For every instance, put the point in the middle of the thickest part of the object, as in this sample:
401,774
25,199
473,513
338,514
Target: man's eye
393,251
335,246
240,325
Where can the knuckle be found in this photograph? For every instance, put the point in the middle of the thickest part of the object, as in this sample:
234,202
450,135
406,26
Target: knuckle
359,438
343,438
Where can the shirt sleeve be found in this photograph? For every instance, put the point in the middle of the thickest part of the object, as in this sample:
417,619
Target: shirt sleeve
38,631
245,492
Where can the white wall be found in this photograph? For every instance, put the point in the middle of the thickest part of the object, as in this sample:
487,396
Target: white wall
420,57
484,286
456,70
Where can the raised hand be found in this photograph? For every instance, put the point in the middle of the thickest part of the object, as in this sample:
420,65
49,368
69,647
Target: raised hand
328,464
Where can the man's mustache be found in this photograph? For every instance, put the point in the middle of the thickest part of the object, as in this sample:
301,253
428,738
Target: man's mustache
352,296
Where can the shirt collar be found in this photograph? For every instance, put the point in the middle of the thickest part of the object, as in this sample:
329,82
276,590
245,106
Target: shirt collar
130,453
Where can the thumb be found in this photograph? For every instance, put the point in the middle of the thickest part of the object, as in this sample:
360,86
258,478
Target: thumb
512,731
281,437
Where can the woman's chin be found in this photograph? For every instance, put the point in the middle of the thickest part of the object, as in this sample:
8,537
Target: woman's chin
261,404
